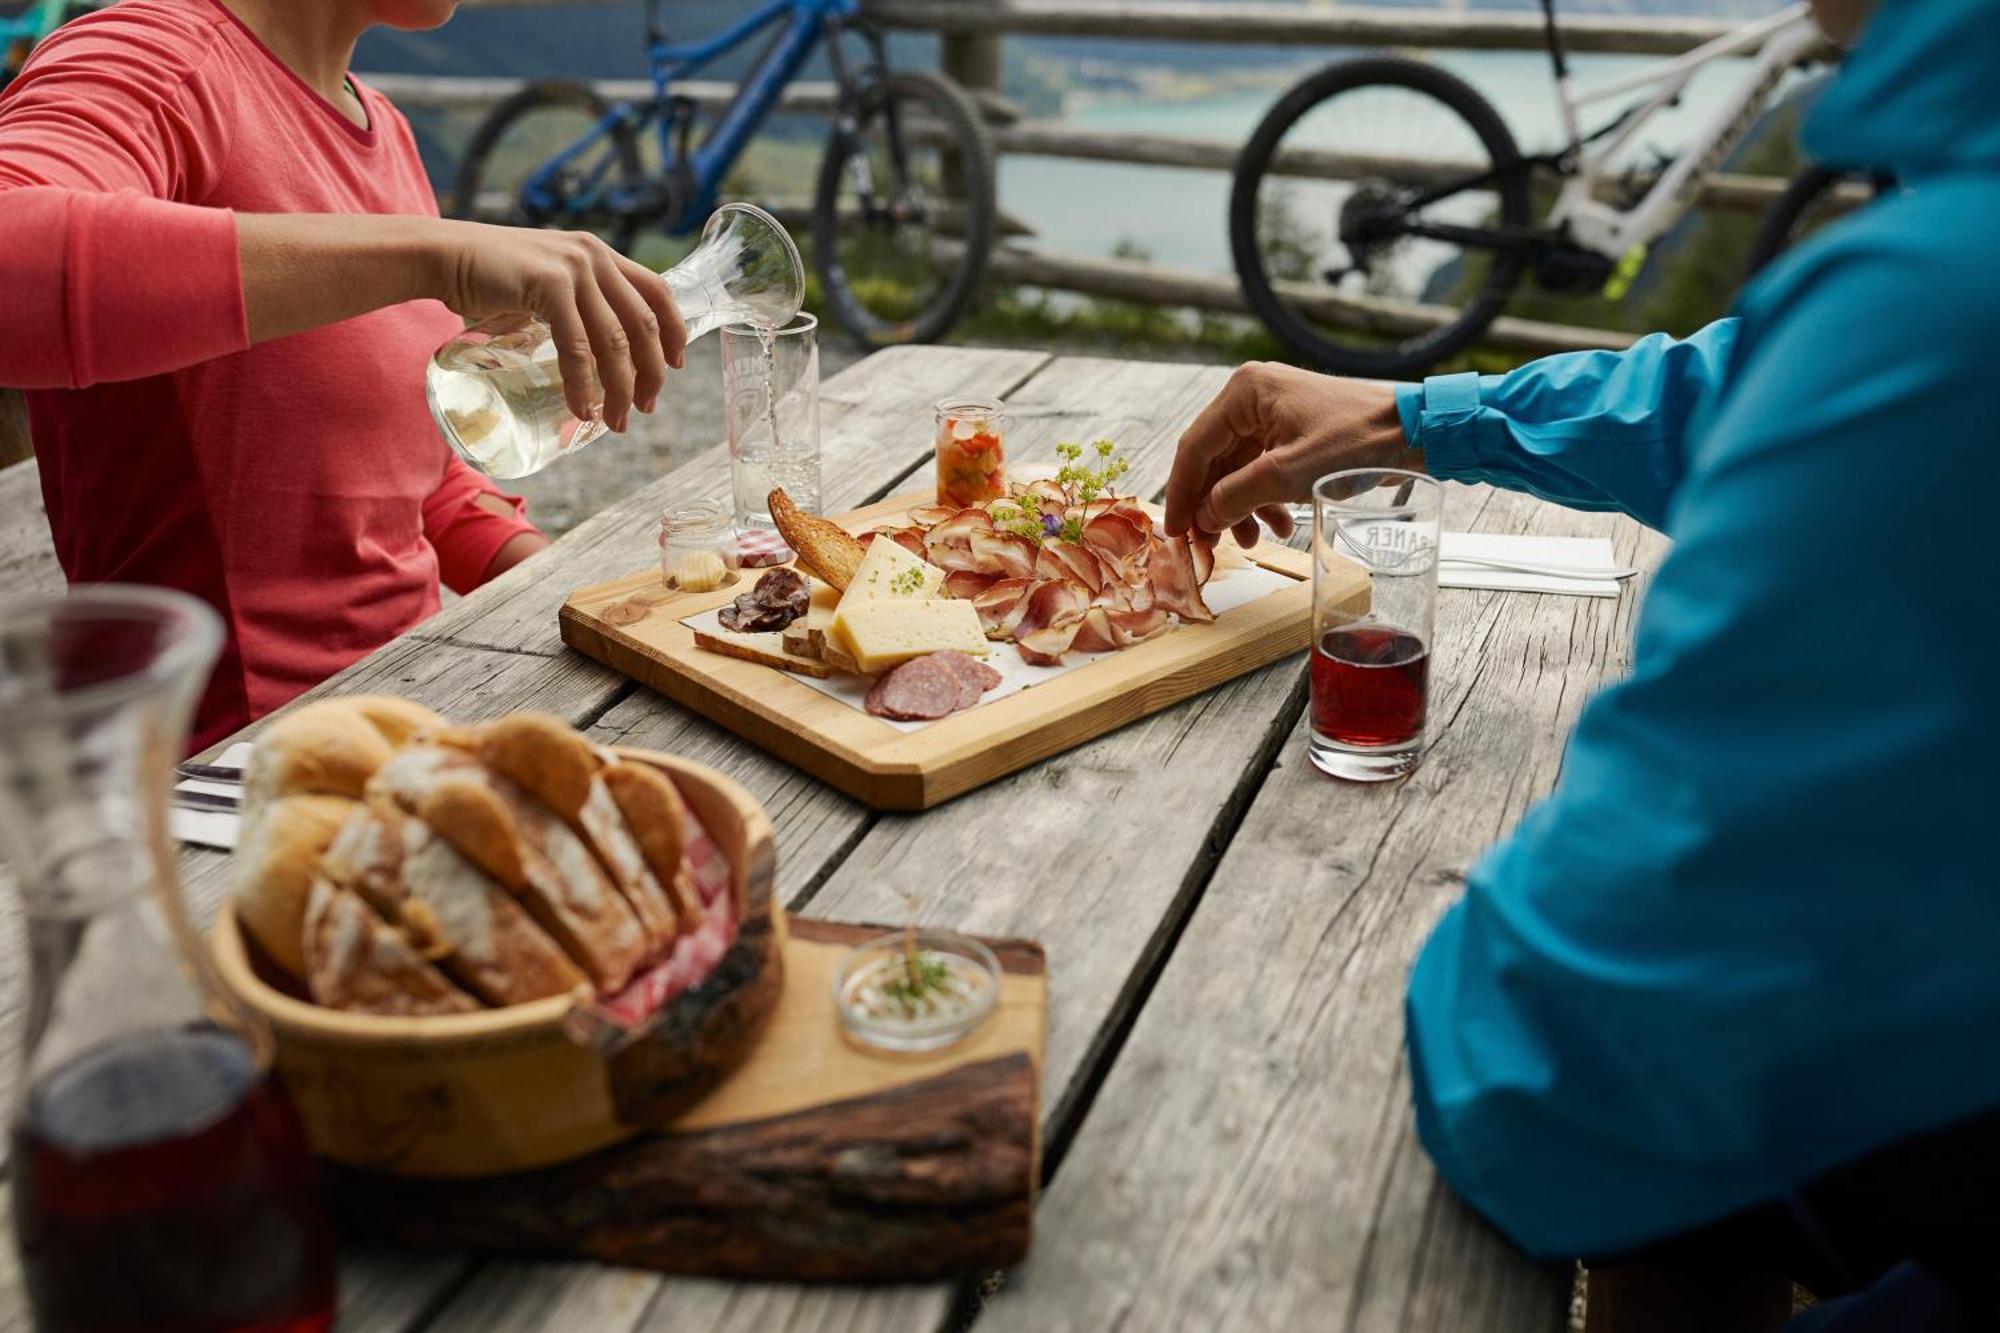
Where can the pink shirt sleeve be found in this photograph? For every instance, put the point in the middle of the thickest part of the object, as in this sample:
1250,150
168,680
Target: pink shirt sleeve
112,269
465,534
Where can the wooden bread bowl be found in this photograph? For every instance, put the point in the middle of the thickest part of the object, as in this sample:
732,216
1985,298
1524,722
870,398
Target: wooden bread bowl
512,1089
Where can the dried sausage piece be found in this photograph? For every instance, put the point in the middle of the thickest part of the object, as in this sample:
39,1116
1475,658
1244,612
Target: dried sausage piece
917,691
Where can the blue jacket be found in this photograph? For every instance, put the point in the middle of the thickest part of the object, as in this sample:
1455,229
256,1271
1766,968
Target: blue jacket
1755,930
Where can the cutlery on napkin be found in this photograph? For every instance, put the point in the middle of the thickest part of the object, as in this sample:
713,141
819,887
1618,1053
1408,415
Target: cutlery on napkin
1579,566
207,800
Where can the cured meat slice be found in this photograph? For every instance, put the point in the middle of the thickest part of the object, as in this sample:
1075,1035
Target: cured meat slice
1203,557
1002,605
1067,560
1054,602
1046,489
783,590
1115,537
929,516
966,585
1006,555
974,677
949,544
920,690
1046,646
1170,569
910,539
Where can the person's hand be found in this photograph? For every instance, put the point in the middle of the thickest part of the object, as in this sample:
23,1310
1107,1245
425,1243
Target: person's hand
1269,435
607,313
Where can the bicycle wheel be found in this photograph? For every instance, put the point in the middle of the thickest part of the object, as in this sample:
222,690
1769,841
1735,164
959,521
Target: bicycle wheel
1322,189
901,245
524,134
1812,200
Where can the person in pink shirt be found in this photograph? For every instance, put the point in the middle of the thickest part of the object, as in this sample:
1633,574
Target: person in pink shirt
222,272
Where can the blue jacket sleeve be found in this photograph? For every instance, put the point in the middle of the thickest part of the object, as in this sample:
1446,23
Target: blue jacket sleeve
1751,933
1592,430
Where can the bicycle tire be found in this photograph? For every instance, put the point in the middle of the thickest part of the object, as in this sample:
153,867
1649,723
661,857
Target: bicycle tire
1779,231
1419,352
966,129
560,94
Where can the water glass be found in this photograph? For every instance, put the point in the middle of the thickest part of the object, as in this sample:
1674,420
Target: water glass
1371,655
770,384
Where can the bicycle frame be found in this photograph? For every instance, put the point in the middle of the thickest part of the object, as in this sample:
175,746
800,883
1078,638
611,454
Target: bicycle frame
1781,42
805,23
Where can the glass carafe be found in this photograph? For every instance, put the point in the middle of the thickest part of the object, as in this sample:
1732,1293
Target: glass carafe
161,1181
496,392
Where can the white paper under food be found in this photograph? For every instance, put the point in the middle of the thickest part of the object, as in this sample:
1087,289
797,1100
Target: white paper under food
1224,593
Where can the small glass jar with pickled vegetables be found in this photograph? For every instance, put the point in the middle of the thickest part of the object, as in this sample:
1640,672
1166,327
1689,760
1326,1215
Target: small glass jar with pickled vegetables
971,453
698,547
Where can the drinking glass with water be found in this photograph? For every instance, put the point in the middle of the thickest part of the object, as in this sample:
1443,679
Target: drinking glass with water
770,381
496,390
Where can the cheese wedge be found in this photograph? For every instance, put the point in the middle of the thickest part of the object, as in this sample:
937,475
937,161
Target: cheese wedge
890,571
806,636
884,633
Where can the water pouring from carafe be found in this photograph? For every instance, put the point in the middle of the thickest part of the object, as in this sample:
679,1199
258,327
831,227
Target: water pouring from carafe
496,390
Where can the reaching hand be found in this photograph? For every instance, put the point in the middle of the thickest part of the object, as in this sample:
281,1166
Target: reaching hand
607,312
1269,435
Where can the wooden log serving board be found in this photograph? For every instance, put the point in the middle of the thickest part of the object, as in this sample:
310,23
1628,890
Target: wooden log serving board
633,625
815,1160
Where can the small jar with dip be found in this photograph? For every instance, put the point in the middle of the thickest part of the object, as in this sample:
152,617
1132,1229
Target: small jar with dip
698,547
916,990
971,451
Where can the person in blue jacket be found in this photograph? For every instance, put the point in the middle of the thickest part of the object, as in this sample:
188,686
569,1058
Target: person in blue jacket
1754,934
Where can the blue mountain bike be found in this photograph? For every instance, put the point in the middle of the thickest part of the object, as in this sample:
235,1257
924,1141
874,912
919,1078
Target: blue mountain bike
902,211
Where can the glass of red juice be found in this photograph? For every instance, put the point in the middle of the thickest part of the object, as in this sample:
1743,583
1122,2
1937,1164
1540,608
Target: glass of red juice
1375,541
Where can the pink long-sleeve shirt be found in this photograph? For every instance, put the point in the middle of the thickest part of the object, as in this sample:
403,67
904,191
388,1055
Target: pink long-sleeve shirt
298,486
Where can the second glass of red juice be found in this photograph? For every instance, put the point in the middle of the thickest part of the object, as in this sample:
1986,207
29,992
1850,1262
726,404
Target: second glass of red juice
1375,540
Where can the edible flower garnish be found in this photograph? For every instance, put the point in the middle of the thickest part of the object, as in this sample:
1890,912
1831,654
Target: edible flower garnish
1083,480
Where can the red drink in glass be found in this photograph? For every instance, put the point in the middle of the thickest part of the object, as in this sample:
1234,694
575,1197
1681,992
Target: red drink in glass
162,1183
1369,686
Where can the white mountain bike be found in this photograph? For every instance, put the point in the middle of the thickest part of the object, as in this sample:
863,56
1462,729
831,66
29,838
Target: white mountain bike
1382,213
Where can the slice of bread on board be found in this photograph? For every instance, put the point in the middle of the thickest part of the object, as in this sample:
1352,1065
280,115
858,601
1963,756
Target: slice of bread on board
827,551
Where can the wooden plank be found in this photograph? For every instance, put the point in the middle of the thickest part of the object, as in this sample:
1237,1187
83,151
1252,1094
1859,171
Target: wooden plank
1285,1178
1721,191
28,565
1159,285
465,92
1239,22
875,425
635,625
758,1180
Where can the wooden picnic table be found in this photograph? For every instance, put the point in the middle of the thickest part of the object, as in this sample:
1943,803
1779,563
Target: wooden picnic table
1228,1139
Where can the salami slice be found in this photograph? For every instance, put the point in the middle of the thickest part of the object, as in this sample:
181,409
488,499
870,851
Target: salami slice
917,691
974,677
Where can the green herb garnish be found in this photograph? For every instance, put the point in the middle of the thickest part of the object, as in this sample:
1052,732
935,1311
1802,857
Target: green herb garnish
1083,482
908,583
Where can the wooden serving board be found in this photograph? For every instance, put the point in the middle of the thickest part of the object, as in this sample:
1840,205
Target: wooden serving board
633,625
814,1160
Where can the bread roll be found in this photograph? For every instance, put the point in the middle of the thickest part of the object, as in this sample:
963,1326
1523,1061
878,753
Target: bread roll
304,776
658,820
505,832
559,768
357,961
450,912
277,860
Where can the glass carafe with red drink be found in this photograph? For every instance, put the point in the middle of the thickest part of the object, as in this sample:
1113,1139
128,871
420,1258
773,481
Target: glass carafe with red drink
160,1179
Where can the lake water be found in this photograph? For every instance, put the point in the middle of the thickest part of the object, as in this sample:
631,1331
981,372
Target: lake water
1181,217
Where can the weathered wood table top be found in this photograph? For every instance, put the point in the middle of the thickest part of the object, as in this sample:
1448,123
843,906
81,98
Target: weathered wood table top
1228,1133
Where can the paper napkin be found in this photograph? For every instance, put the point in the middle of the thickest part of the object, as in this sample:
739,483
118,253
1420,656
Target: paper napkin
1580,552
211,828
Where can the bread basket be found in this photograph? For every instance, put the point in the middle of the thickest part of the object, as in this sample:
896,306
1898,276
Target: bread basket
526,1086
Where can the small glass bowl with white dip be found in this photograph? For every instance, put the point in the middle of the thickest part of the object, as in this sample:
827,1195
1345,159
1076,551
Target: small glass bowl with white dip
916,990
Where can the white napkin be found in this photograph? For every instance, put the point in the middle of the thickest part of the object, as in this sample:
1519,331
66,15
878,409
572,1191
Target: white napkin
1582,552
211,828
